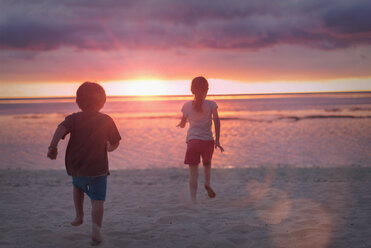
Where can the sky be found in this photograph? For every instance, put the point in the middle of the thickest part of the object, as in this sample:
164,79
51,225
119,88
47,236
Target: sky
48,48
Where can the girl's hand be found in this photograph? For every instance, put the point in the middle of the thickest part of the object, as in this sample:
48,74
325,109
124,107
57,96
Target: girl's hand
181,125
52,152
217,145
182,122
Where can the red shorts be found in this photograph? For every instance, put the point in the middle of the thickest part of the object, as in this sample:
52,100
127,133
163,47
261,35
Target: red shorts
197,148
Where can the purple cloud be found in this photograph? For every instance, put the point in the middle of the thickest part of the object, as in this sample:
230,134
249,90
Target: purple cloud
166,24
349,18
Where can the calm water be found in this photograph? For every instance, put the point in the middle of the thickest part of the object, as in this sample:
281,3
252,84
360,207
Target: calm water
299,130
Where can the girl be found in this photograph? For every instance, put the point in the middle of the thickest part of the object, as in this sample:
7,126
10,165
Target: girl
200,141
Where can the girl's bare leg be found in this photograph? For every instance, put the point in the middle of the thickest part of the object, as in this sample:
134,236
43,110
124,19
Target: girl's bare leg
207,176
193,179
78,199
97,218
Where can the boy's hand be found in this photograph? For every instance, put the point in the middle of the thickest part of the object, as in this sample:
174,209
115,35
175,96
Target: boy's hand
52,152
217,144
111,148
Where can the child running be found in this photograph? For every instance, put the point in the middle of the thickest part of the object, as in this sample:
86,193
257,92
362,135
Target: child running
200,141
92,134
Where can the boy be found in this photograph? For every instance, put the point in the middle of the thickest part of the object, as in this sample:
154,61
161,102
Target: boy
92,134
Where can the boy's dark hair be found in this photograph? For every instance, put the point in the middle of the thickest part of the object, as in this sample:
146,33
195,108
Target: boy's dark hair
90,96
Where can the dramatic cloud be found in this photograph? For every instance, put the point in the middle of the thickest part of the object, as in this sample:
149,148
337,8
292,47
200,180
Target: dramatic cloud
166,24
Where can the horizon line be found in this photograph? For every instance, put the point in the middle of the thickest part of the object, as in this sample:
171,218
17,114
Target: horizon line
175,95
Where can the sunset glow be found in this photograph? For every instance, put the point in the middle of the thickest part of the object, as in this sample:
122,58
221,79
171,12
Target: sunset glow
243,47
137,87
182,87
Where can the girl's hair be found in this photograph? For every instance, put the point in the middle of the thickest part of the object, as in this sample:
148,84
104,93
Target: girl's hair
199,87
90,96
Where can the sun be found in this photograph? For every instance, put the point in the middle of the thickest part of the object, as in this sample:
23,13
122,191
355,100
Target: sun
143,87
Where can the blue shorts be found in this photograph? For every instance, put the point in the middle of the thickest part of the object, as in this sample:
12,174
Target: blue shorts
94,187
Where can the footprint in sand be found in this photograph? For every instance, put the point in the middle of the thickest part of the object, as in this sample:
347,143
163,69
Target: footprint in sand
175,219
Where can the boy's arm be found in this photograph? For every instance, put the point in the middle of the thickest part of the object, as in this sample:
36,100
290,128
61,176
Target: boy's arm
111,148
182,122
217,129
59,133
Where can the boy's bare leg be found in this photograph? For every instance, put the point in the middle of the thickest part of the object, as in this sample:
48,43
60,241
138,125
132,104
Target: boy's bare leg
78,199
193,179
207,176
97,218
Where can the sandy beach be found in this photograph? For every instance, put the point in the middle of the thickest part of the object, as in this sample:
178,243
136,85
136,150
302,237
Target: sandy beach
254,207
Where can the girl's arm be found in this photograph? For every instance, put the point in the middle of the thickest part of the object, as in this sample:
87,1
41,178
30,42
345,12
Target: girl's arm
111,148
52,149
183,122
217,130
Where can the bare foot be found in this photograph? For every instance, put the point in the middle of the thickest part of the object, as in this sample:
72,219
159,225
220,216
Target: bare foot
96,236
77,221
95,242
210,191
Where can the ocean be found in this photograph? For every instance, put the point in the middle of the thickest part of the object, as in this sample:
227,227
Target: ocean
274,130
